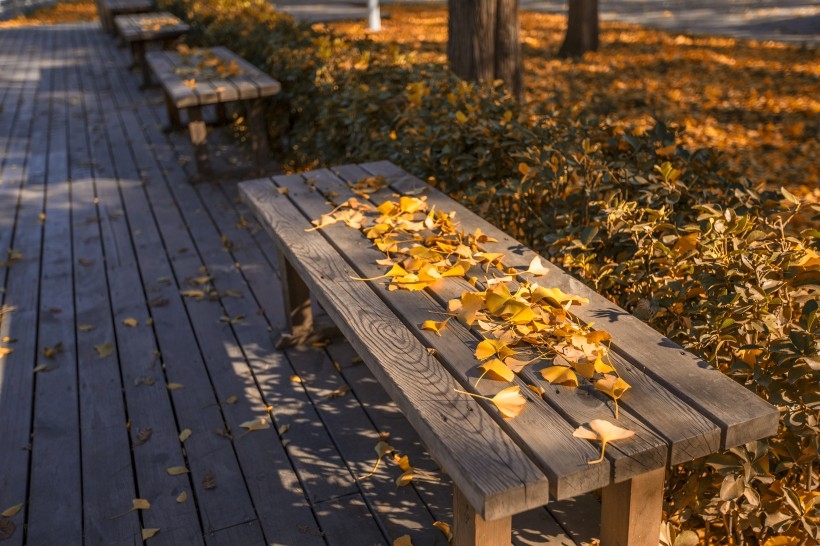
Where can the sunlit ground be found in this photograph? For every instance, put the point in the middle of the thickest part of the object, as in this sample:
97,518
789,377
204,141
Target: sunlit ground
757,102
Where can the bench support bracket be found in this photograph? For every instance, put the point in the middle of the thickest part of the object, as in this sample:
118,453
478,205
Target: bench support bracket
469,528
631,511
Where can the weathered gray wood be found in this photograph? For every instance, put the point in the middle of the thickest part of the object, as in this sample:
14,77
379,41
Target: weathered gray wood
422,389
741,416
244,533
558,453
55,510
631,511
470,529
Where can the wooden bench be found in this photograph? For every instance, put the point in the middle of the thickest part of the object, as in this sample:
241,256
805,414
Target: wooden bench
679,407
213,76
140,29
111,8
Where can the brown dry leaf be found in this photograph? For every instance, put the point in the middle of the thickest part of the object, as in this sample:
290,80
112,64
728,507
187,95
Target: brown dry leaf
604,432
174,386
185,434
209,480
104,349
149,532
143,436
11,510
231,399
7,528
176,470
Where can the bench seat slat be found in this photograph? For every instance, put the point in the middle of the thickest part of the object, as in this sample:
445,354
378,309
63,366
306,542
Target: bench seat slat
492,472
687,433
741,418
546,430
133,28
163,67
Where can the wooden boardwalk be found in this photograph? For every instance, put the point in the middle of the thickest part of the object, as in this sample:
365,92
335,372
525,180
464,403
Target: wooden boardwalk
140,312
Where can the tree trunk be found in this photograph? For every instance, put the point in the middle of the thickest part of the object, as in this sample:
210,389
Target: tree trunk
582,28
483,42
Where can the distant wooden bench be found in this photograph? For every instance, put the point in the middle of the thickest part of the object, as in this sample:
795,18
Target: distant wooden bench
212,76
111,8
679,407
140,29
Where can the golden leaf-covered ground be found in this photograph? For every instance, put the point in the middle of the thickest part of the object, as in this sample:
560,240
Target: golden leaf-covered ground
758,102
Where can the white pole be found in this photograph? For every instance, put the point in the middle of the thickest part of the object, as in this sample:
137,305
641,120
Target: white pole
373,16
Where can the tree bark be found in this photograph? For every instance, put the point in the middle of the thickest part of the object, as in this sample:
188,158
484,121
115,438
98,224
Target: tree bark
582,28
483,41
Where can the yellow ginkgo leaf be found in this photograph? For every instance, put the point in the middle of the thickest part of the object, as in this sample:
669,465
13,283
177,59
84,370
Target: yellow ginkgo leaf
403,461
4,351
231,399
604,432
11,510
195,294
497,370
536,267
556,295
444,528
405,478
598,336
614,387
434,326
85,327
258,424
104,349
182,497
560,375
176,470
404,540
510,402
140,504
149,532
174,386
185,434
493,347
471,304
131,322
686,243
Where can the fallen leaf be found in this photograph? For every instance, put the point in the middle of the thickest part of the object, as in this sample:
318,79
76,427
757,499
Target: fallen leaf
7,528
140,504
257,424
405,478
5,351
561,375
510,402
182,497
231,399
149,532
604,432
613,386
174,386
444,528
143,436
176,470
283,429
435,326
403,540
130,322
209,480
104,349
536,267
86,327
497,370
195,294
185,434
11,510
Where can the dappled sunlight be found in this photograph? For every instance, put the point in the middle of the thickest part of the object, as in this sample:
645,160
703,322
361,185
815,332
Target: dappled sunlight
755,101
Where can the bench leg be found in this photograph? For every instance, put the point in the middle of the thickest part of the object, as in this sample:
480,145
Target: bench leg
469,528
296,297
199,138
259,131
174,122
631,511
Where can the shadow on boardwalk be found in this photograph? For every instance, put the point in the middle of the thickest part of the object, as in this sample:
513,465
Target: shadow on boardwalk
139,311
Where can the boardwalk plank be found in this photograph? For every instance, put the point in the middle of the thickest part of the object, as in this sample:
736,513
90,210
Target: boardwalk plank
55,507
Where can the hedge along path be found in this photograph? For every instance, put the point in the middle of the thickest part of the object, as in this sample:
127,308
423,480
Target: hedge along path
547,435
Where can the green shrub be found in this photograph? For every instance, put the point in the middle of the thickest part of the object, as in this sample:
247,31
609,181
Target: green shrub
673,236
